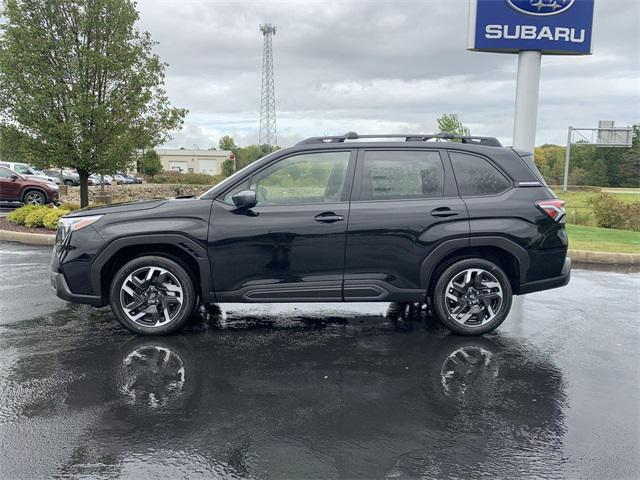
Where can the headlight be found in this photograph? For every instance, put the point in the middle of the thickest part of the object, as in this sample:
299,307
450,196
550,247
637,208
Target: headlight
73,224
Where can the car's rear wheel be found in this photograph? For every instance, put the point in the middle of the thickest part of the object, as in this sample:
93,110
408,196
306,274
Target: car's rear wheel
152,295
472,296
34,197
68,183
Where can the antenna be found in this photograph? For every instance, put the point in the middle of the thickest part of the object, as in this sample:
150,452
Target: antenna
267,134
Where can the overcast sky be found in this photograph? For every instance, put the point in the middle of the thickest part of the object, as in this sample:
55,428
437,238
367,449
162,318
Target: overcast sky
373,66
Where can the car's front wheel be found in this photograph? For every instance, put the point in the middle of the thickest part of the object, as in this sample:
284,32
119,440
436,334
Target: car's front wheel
152,295
472,296
34,197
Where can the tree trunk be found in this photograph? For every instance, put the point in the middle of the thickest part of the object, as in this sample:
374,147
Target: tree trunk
84,187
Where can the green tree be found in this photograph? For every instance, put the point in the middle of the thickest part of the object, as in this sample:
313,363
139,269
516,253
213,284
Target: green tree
629,166
80,86
450,123
227,143
550,161
227,167
149,163
251,153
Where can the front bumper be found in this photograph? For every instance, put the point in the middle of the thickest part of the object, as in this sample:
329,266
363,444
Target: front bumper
59,285
549,283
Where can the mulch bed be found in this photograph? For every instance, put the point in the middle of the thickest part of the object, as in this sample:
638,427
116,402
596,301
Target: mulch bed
7,225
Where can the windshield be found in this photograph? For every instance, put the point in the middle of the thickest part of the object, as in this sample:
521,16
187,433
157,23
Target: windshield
230,180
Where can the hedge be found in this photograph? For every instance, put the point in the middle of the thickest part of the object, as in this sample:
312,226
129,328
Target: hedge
34,216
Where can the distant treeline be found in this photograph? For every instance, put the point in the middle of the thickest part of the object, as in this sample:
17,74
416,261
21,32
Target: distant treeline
589,165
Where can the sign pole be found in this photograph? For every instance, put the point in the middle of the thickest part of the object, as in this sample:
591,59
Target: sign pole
527,91
567,156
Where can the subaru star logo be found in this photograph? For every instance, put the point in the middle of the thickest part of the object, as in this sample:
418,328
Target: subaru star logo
540,7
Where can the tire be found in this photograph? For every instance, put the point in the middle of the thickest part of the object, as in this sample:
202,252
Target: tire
68,183
472,296
156,303
34,197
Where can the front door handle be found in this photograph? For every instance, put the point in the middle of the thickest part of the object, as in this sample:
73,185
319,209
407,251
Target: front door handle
328,217
443,212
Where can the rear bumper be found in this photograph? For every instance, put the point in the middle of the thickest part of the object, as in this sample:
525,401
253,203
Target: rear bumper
59,285
549,283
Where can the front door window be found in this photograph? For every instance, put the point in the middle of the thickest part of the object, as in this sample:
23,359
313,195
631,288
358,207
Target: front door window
302,179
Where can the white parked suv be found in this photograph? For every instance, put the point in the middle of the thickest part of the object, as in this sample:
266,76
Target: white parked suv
29,172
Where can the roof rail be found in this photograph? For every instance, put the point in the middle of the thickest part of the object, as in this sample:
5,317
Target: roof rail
422,137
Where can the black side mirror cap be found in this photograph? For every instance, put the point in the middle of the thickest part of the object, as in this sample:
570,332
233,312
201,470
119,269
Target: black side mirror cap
15,177
245,199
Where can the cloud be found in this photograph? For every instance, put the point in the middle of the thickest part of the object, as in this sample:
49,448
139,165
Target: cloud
377,67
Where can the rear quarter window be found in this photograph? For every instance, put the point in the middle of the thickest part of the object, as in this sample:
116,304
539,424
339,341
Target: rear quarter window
528,160
476,176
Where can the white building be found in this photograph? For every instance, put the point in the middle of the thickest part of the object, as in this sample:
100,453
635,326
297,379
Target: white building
193,161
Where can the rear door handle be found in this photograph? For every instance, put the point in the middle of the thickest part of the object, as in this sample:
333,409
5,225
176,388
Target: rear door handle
443,212
328,217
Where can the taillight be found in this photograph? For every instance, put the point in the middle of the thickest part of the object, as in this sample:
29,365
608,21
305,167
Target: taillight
554,209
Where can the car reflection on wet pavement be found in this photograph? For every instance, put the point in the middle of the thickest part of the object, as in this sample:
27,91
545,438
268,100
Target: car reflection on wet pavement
319,391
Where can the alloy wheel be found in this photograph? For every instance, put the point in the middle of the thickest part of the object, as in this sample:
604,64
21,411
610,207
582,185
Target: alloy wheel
473,297
151,296
34,198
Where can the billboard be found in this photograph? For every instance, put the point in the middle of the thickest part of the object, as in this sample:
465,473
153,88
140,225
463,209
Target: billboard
553,27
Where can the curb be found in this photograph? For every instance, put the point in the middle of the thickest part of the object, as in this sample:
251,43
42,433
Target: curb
604,258
28,238
578,256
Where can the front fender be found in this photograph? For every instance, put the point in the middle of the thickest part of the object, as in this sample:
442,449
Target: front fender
182,241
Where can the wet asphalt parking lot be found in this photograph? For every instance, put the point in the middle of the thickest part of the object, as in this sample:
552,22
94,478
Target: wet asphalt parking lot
320,391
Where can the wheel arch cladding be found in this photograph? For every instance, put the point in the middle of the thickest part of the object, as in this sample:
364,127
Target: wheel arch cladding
509,256
179,248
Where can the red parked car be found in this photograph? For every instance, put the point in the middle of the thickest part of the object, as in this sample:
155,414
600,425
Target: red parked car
16,188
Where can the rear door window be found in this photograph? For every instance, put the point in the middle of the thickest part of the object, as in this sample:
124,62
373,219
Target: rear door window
401,174
476,176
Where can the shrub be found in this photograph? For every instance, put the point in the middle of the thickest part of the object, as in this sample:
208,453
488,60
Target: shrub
50,219
150,163
633,216
610,212
19,215
186,178
35,217
227,167
70,206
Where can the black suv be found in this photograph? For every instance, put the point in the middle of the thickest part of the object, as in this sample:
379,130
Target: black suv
459,223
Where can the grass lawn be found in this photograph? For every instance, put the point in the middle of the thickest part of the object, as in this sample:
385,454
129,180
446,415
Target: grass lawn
596,239
579,210
581,199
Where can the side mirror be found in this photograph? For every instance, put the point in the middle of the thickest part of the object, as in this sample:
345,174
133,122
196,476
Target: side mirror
245,199
14,177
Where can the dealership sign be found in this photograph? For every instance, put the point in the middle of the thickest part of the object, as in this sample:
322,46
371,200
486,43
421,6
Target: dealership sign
561,27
